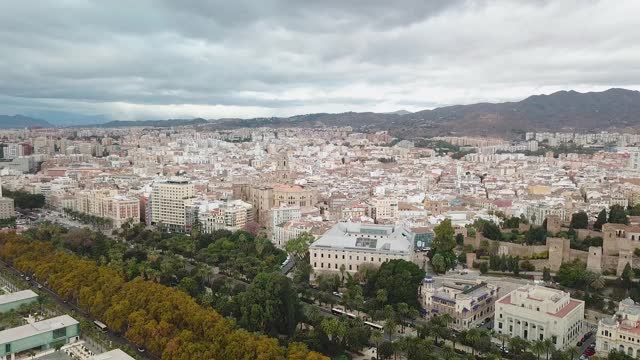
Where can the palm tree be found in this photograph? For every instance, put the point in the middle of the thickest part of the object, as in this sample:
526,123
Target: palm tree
390,328
549,345
572,352
447,352
473,337
537,347
503,338
597,282
377,337
517,345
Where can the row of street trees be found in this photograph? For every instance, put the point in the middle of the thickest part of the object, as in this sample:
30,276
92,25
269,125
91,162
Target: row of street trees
97,221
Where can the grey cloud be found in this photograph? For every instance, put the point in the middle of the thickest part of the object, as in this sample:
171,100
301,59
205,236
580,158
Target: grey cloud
284,56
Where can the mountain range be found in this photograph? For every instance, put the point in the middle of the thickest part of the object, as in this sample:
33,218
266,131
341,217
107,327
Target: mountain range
613,109
21,121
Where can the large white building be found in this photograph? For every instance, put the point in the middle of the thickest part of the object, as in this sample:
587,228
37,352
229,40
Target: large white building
284,213
534,312
215,215
168,202
621,331
354,244
468,302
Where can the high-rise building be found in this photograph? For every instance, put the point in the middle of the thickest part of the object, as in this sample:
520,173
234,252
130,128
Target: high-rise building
7,206
168,202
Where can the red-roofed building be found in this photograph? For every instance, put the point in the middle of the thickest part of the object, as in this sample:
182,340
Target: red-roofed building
534,312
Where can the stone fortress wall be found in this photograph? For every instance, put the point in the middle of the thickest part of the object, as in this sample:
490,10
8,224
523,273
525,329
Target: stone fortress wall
619,243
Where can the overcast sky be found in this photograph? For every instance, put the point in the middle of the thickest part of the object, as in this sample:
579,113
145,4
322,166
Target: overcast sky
142,59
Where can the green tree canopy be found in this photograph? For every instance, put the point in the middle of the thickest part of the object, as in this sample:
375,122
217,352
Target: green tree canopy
579,220
400,279
444,239
600,220
617,215
270,305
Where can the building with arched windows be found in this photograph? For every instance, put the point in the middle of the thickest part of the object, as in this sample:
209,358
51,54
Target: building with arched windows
621,331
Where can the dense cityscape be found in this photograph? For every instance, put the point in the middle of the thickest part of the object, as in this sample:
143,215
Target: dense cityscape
312,242
319,180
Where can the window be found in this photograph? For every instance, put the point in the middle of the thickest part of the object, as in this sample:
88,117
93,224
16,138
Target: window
336,266
59,333
499,325
7,348
315,264
322,265
349,267
322,255
343,257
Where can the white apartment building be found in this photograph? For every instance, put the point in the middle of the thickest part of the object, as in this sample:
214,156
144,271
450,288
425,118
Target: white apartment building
229,215
7,206
354,244
108,204
634,158
534,312
284,213
384,209
468,302
168,202
621,331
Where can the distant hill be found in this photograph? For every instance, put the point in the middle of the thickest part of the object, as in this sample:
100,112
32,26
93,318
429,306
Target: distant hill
563,110
153,123
64,118
613,109
21,121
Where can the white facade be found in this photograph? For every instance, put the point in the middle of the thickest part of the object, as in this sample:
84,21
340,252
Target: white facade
621,331
534,312
354,244
168,202
284,213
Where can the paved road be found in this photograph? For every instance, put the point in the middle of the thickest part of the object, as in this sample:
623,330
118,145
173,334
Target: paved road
69,307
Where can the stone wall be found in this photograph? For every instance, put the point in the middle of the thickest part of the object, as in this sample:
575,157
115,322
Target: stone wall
584,233
594,259
559,250
471,257
554,224
609,263
580,255
540,264
524,227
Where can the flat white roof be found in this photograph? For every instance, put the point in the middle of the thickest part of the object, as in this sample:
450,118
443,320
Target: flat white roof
41,327
116,354
17,296
366,237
